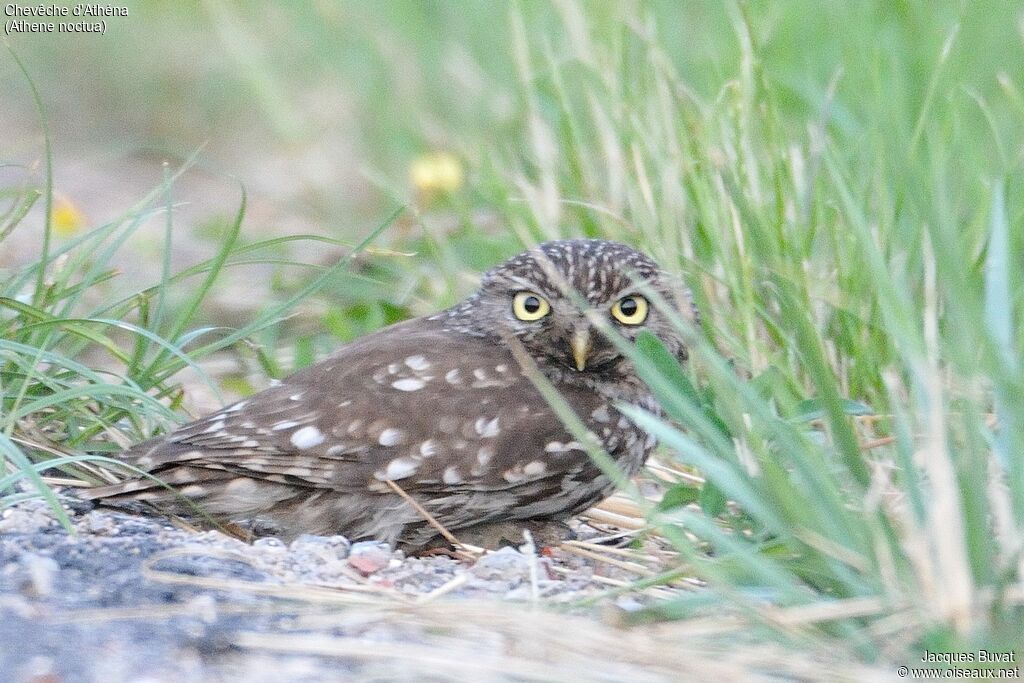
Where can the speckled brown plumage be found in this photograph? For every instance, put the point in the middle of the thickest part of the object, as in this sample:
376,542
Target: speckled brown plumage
438,405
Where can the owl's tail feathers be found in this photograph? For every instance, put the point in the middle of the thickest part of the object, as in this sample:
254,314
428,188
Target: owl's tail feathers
186,482
195,492
172,467
160,452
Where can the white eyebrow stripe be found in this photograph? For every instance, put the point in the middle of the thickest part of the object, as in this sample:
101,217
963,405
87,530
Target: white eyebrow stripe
525,284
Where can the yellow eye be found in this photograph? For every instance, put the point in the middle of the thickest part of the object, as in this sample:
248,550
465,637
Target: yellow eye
630,310
530,306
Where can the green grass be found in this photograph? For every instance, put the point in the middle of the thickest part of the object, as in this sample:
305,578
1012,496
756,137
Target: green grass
64,414
840,186
872,264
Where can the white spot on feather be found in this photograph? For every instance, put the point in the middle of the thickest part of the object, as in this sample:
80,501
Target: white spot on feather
487,429
193,491
428,448
391,437
307,437
534,468
408,384
453,376
451,475
559,447
399,468
215,427
484,455
417,363
285,424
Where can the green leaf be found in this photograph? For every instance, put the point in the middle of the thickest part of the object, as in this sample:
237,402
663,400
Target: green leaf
670,384
813,409
666,364
679,495
305,354
712,500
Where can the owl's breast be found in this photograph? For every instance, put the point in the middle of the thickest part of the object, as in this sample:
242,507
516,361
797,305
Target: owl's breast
628,445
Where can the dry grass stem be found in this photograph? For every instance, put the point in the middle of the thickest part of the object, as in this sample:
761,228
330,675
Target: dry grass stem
471,641
597,514
632,567
447,535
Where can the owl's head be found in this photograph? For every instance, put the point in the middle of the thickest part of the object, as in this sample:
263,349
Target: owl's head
556,299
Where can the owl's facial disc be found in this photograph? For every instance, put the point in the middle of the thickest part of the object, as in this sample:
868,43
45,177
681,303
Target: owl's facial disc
563,300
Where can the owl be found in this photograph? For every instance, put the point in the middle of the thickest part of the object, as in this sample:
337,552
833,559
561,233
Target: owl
436,415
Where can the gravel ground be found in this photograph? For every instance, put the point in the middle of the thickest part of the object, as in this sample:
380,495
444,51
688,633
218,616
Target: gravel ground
133,598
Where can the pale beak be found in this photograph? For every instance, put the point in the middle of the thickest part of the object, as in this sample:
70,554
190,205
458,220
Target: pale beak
580,348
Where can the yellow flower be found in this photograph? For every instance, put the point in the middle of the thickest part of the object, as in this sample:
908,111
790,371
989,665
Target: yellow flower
436,173
66,219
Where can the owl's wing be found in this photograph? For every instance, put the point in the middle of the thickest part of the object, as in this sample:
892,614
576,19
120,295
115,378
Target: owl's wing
427,409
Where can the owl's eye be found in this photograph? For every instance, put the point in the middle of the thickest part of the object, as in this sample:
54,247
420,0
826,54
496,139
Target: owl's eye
530,306
630,310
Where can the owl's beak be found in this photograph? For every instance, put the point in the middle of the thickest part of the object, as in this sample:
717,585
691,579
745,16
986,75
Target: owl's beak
580,344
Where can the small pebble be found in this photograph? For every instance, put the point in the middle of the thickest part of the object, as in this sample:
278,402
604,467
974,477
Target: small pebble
504,564
29,518
42,572
367,557
324,548
205,608
628,603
